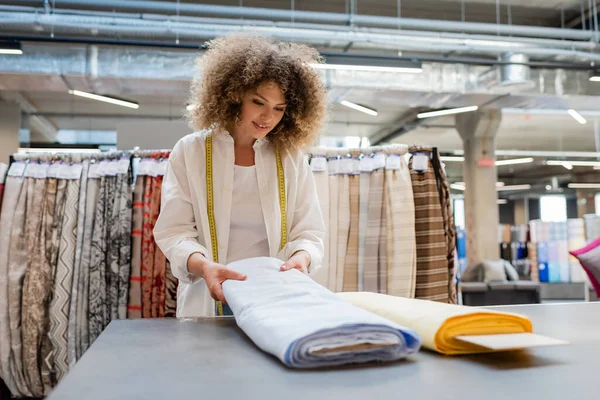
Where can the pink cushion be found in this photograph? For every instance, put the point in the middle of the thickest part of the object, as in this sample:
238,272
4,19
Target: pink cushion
589,258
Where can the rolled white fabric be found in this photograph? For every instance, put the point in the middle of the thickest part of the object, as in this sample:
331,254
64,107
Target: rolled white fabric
305,325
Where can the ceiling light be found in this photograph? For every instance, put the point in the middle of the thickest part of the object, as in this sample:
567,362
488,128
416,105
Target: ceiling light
191,107
502,201
105,99
498,184
366,68
358,107
456,186
515,161
25,150
513,187
548,187
567,165
451,158
369,63
574,163
584,185
11,48
595,78
447,112
577,116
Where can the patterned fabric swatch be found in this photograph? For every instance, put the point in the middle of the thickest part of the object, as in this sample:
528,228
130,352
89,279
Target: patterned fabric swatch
72,323
13,186
134,306
59,307
147,252
82,325
125,225
97,313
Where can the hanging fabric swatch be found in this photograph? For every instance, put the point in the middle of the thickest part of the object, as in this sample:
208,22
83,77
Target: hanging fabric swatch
63,280
432,262
332,168
320,173
38,278
134,306
158,287
14,184
401,245
25,220
363,215
449,227
351,168
76,274
170,292
343,226
374,223
82,335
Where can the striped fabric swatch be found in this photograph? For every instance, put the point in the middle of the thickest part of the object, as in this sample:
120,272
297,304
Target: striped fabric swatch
432,263
401,249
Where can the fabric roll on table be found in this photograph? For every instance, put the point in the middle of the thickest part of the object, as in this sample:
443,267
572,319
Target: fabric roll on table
439,324
305,325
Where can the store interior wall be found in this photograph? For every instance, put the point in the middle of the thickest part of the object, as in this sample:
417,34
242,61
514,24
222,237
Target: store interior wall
10,125
150,134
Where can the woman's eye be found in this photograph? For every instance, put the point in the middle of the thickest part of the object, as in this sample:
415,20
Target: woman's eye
279,109
258,102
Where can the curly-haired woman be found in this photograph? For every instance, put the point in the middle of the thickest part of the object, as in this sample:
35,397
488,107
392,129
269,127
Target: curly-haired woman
257,105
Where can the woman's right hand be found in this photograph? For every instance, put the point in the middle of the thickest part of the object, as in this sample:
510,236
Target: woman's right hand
214,275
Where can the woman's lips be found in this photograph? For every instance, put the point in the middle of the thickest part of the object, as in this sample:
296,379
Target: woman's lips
260,127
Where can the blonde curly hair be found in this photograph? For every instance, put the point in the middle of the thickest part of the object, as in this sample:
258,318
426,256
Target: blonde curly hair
233,65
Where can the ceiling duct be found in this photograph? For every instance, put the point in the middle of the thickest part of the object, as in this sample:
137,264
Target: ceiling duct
515,74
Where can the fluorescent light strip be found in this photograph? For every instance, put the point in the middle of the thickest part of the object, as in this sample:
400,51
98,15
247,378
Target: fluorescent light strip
574,163
499,162
17,52
367,68
513,187
25,150
450,158
567,165
498,184
577,116
515,161
105,99
502,201
359,108
457,186
584,185
595,78
190,107
447,112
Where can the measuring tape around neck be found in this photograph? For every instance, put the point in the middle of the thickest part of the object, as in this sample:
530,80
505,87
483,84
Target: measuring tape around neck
211,207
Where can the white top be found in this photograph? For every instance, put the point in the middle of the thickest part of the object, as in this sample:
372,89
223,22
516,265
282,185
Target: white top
247,232
182,227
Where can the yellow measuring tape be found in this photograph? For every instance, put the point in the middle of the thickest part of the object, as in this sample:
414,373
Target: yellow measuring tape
211,207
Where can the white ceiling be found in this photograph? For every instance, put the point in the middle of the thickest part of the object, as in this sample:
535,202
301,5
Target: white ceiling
516,132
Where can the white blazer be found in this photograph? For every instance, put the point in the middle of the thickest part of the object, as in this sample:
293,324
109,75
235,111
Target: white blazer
182,227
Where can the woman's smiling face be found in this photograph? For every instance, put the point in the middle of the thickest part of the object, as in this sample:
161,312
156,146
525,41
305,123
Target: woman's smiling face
262,109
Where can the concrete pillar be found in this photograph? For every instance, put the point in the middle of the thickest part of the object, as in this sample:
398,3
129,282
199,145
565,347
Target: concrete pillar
521,217
478,131
10,125
586,202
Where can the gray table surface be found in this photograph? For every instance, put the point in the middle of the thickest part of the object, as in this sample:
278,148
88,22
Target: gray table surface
213,359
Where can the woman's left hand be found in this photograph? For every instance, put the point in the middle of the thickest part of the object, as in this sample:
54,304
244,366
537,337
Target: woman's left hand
300,260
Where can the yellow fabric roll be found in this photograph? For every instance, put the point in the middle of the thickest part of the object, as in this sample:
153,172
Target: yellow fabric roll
438,324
